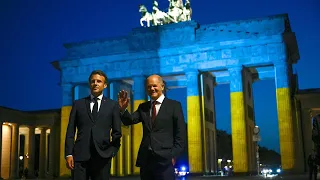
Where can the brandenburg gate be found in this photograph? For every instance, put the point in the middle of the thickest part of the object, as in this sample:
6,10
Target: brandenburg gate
236,53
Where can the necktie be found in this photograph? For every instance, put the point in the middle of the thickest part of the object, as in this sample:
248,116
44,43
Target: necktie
154,111
95,108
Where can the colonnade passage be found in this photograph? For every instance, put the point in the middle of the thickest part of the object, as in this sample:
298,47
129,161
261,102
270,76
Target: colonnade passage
27,150
242,120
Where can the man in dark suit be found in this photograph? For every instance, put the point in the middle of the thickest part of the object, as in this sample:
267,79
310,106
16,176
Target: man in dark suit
94,117
316,137
164,131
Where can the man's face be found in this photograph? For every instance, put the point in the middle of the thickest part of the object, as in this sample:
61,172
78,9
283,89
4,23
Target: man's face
97,84
154,87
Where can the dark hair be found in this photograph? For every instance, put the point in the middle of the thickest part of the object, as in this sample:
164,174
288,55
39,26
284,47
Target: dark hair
99,72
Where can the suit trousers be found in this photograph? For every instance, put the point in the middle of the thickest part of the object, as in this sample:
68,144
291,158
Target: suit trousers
313,171
96,168
154,171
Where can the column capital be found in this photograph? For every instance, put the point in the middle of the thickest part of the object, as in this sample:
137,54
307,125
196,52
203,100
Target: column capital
138,77
115,82
232,69
191,72
280,63
137,73
191,75
42,128
66,85
139,92
281,74
235,73
31,126
115,87
192,83
14,124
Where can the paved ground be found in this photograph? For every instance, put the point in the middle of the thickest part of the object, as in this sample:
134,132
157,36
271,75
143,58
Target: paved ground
287,177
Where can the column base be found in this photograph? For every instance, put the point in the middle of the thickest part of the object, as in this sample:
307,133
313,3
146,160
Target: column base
242,174
196,174
15,177
290,173
49,177
42,177
65,176
31,177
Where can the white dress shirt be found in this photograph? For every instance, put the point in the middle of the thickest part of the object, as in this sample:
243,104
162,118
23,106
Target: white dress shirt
158,105
92,101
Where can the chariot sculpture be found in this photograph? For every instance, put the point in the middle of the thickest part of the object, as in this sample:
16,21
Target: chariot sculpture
177,12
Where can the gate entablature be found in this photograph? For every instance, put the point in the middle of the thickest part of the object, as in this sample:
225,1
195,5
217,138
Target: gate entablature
175,48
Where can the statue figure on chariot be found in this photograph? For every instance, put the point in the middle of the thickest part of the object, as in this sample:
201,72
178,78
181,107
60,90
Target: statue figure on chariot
177,12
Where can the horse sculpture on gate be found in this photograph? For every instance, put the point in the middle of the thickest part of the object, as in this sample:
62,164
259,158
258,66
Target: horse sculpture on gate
146,16
160,17
187,11
177,12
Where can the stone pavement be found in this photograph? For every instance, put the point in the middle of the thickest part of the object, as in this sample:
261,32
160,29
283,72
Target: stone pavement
287,177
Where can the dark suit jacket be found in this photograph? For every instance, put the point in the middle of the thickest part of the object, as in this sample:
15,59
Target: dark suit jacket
80,117
166,137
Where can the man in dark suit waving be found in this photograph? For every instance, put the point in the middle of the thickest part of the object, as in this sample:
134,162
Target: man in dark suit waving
94,117
164,131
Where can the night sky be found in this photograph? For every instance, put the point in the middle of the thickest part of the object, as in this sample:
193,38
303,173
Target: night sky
32,34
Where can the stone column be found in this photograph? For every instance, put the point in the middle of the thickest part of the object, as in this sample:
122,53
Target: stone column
52,152
247,81
42,155
284,107
26,149
139,96
238,121
209,122
67,100
127,143
117,167
47,154
306,120
195,139
31,152
14,168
